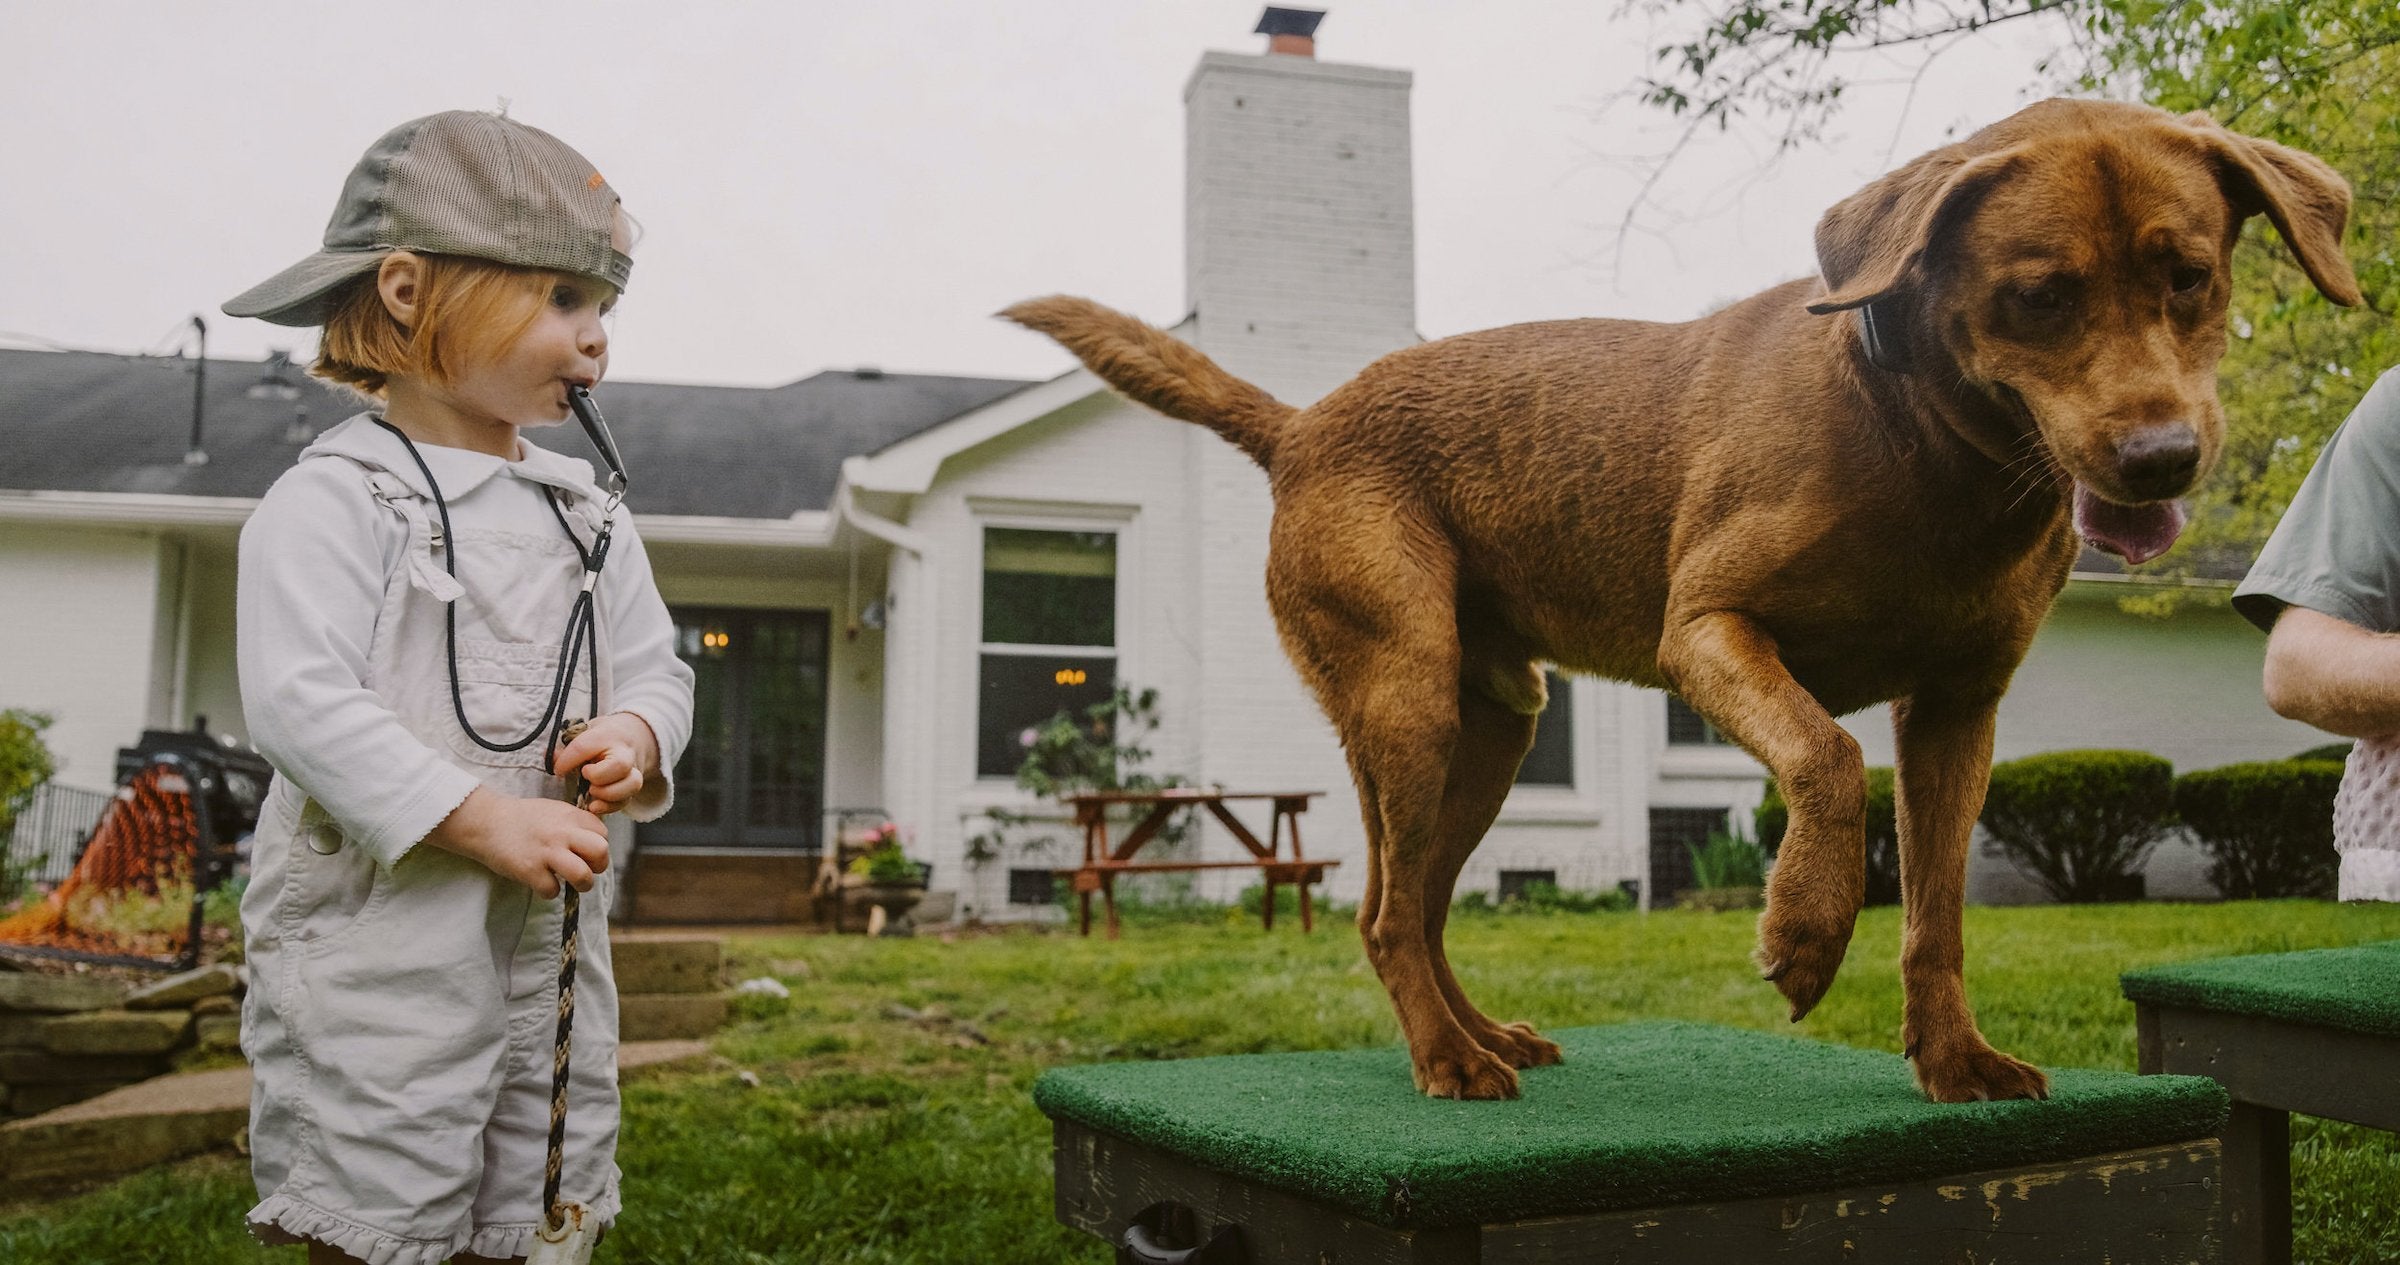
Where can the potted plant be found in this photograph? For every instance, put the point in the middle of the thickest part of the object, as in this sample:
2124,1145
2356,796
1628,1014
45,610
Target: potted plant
885,878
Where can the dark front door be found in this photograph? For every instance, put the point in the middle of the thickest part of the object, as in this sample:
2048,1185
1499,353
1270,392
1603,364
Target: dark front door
754,774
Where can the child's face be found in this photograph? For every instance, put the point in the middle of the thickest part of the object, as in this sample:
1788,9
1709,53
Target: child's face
525,383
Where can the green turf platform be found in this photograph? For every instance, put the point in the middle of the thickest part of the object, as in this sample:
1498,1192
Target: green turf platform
1639,1115
2356,989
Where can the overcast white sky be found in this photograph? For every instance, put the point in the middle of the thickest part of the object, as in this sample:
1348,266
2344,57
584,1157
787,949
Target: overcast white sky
831,185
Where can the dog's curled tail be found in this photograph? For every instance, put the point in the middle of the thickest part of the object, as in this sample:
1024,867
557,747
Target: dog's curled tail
1155,368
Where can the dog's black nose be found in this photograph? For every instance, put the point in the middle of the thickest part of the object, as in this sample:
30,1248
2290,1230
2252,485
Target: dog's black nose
2159,461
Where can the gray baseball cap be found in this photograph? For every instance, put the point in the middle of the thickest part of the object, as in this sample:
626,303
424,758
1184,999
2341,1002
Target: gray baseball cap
457,183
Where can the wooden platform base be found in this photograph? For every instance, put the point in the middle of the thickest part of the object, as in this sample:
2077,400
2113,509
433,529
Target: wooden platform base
2156,1205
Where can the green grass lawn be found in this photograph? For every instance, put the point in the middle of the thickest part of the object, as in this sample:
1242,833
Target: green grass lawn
891,1119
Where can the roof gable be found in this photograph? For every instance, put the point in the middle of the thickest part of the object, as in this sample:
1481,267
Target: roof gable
89,422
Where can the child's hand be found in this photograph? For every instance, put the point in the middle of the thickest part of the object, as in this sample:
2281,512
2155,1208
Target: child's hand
537,842
616,755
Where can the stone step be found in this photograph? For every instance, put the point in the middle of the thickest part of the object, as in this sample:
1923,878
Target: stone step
663,1016
668,964
117,1032
180,991
40,1067
56,994
170,1116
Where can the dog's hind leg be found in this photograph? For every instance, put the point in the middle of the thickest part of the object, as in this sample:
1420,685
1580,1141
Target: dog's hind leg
1725,665
1945,766
1365,606
1497,705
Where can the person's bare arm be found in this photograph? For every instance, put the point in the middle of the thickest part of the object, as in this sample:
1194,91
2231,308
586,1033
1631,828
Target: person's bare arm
2333,674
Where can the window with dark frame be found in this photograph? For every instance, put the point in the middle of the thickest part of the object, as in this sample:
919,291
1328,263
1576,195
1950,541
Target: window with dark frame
753,773
1688,728
1032,887
1673,833
1049,640
1551,762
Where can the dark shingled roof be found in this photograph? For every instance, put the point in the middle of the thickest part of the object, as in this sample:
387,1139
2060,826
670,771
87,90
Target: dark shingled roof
87,422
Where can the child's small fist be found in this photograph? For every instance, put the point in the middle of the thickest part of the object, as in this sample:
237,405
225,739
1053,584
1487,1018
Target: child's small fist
616,754
537,842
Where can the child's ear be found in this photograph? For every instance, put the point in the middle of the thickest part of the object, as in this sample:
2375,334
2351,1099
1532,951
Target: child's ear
400,280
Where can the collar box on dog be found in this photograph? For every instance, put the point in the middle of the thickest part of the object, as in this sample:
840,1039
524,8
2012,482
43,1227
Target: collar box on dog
1651,1142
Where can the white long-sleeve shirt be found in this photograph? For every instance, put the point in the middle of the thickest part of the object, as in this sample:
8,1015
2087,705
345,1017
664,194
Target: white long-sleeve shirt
317,561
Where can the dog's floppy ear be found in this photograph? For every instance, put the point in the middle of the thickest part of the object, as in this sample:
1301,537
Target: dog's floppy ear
2303,196
1872,242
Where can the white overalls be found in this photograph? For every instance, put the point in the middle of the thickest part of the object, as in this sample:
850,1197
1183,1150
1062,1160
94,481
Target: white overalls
402,1007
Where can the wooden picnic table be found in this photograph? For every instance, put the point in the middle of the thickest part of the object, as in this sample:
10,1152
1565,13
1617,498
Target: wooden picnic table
1102,862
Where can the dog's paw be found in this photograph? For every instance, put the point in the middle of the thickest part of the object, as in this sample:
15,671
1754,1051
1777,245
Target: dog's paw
1519,1045
1977,1073
1465,1071
1800,955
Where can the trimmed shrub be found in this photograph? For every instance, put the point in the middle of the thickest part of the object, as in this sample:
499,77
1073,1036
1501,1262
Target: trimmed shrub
2267,826
2080,823
2338,752
1773,818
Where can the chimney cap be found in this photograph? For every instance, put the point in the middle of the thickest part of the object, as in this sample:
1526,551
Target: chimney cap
1300,22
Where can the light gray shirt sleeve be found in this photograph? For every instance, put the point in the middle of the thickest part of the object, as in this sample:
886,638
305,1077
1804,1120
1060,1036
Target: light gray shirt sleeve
649,680
310,585
2337,549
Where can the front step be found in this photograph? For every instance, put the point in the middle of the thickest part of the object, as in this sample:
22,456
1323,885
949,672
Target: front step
669,986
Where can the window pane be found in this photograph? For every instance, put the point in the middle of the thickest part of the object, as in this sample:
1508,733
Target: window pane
1673,832
787,724
704,642
1049,588
1023,691
1032,887
1552,760
1688,728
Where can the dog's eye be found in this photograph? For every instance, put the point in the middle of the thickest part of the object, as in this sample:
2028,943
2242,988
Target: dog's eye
2046,297
2187,278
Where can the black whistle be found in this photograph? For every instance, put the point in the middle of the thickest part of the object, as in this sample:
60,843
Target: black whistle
595,428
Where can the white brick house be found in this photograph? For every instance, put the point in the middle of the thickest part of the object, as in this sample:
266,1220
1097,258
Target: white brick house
880,576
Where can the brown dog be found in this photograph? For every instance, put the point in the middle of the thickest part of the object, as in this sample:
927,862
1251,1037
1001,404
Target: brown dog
1836,493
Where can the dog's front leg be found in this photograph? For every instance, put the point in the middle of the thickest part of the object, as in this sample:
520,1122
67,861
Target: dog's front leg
1945,765
1725,665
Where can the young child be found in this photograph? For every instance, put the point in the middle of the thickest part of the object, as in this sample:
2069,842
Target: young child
404,602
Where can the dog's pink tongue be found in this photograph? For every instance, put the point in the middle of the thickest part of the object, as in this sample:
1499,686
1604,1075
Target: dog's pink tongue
2136,533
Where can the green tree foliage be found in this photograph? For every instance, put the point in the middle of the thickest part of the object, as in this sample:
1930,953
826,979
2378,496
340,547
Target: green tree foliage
2267,826
2319,75
2080,823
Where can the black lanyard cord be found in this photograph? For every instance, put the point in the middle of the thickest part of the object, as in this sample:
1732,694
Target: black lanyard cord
581,632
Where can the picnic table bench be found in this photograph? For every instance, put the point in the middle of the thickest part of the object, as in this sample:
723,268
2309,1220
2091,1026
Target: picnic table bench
1102,863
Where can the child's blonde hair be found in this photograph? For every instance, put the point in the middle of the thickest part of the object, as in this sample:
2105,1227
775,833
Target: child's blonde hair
467,309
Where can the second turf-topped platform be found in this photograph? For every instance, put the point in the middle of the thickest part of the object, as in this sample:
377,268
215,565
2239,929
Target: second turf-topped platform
1637,1115
2355,989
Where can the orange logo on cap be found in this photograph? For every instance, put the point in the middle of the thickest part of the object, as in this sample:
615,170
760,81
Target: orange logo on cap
595,182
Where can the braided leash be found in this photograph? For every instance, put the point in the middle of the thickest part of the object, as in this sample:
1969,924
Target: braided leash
558,1220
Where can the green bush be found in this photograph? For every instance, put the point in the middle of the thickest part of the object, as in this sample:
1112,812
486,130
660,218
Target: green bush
2334,751
1728,862
25,763
1883,833
1547,898
2080,823
2267,826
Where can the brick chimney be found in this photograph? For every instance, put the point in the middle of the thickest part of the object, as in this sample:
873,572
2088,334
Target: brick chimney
1300,267
1292,32
1299,224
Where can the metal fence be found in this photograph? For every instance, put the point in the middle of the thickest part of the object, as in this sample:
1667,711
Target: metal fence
49,835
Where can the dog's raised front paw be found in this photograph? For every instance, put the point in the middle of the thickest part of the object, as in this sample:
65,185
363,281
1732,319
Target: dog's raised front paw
1977,1073
1800,956
1465,1071
1519,1045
